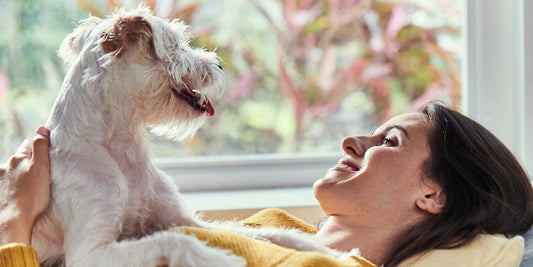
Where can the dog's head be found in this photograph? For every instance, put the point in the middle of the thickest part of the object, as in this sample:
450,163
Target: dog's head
141,66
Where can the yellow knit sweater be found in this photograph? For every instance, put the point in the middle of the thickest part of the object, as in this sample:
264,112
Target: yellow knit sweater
261,253
18,255
257,253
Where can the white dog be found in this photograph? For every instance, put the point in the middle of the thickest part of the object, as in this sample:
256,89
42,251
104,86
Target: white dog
125,73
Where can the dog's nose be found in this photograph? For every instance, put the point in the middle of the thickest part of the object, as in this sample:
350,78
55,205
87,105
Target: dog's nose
220,67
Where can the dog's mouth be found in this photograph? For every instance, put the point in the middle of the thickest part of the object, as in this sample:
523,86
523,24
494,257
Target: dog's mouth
195,100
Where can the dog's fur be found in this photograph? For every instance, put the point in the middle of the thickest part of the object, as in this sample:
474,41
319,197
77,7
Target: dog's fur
128,72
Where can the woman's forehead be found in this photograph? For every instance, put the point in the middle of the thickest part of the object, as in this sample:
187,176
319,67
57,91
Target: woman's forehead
410,118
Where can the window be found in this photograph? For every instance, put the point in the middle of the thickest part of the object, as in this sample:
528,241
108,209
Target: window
299,75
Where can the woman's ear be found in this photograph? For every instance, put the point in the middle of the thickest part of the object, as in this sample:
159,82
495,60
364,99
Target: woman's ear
432,202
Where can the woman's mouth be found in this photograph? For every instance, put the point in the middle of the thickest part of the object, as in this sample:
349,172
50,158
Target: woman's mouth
345,168
347,165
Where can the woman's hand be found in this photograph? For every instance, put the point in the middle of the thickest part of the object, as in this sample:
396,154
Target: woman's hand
24,188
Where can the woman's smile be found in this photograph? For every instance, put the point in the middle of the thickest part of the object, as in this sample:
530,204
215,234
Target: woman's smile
346,165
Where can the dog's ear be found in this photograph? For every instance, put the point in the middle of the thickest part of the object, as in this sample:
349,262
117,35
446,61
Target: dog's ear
129,33
73,44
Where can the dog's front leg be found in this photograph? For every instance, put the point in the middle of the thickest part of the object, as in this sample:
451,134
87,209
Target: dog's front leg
170,209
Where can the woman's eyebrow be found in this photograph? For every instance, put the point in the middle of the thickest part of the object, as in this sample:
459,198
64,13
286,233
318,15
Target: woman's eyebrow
394,126
390,127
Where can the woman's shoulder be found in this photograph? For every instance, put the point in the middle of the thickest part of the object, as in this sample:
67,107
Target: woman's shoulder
484,250
280,219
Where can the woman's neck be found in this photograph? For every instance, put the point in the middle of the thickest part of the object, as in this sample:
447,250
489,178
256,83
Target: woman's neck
374,242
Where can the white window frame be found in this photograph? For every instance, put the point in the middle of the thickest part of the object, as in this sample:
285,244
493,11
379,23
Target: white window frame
496,92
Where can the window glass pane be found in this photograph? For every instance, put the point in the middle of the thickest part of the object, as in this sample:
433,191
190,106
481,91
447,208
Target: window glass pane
299,75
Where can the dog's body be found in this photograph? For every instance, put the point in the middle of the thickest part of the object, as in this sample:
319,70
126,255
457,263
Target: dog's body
127,72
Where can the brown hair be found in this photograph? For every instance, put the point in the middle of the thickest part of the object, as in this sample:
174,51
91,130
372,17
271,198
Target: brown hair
487,191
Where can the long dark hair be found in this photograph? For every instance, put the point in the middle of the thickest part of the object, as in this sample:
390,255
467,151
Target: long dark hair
487,191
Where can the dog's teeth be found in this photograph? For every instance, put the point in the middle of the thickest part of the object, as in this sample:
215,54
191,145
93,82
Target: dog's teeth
196,92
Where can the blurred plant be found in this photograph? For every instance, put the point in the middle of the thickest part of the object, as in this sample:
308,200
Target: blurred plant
300,74
419,68
330,49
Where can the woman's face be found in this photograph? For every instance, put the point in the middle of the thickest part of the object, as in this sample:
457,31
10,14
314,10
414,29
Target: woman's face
380,176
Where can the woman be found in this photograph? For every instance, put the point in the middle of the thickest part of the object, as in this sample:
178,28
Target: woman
434,179
421,182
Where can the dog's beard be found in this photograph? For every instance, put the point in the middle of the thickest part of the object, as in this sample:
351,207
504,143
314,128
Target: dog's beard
178,130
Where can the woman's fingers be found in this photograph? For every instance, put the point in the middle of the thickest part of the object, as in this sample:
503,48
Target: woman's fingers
41,144
38,144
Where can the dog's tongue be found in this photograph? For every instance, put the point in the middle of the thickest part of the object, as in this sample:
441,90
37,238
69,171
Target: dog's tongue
209,110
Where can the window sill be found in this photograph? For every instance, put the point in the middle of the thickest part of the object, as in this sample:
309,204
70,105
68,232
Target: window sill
249,172
239,204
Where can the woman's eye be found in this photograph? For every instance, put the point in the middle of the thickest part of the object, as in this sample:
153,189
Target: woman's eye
386,141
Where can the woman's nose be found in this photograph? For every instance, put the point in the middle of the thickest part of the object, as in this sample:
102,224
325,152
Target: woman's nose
356,145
